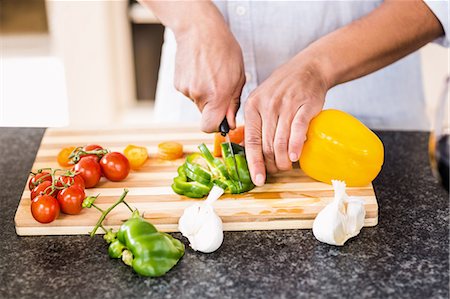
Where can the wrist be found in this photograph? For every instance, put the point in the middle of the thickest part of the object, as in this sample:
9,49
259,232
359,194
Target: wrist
200,18
317,66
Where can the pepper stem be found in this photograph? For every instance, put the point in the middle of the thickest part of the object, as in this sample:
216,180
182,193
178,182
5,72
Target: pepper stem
128,206
106,212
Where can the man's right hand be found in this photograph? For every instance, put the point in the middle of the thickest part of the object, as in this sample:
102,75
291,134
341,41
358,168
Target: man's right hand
209,65
209,70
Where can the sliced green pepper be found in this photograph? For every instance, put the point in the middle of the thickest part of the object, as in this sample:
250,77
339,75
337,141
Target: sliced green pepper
240,165
195,171
216,165
201,171
192,189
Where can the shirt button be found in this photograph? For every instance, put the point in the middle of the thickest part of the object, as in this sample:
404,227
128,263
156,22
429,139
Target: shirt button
248,76
240,10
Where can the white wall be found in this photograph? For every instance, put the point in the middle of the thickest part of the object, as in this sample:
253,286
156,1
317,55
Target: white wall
93,39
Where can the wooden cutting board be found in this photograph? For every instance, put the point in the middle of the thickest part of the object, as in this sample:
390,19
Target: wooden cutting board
289,200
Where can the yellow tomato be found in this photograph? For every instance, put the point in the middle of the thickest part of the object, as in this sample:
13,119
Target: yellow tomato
63,156
340,147
136,155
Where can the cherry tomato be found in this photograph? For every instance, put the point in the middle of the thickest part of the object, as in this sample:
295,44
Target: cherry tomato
63,156
170,150
70,200
89,170
92,147
41,188
115,166
39,178
76,180
44,208
136,155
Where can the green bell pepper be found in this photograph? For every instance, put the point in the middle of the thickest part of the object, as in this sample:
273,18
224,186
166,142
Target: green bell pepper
153,252
139,244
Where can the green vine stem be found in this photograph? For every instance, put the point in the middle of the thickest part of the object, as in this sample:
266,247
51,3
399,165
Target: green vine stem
79,152
106,212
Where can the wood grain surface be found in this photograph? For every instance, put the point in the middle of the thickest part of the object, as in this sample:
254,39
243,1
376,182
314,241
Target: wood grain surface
289,200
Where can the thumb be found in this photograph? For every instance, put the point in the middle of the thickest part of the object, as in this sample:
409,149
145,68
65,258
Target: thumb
231,113
212,116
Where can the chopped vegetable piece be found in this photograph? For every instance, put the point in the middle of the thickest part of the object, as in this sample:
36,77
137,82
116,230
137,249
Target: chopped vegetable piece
340,147
194,165
236,136
63,156
201,171
193,189
170,150
139,244
115,166
137,155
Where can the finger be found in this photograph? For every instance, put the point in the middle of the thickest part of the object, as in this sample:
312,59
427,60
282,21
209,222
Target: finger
299,128
253,145
231,113
235,103
281,142
269,124
212,115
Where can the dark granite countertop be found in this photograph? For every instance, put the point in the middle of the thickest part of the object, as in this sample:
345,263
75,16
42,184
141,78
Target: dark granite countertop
406,255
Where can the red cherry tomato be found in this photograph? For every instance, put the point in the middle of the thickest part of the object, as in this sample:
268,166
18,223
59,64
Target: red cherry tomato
76,180
70,200
115,166
39,178
44,208
89,170
41,188
92,147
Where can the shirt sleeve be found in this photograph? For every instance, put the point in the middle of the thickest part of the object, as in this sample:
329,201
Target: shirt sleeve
440,8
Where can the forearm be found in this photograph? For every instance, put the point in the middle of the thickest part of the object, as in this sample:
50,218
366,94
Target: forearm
392,31
182,16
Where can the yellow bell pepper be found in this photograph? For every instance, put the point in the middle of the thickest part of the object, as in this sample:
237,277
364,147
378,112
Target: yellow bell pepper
340,147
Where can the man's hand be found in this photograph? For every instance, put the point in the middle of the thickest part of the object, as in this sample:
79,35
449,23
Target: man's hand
277,115
210,71
209,65
278,112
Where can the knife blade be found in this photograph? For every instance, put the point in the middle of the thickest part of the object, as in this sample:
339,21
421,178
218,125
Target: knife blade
224,129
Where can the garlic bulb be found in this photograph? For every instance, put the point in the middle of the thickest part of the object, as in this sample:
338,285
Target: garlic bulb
201,225
340,220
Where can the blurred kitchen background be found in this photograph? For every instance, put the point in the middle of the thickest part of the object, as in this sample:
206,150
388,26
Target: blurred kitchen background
104,57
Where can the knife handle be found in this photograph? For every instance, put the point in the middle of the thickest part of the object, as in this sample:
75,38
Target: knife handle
224,128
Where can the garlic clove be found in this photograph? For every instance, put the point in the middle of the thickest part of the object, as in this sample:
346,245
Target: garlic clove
328,227
189,223
355,216
341,219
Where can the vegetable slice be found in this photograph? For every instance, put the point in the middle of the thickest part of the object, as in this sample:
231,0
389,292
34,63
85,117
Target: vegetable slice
170,150
136,155
63,156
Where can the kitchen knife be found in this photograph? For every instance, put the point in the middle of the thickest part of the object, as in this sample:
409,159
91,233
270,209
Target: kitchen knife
224,129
